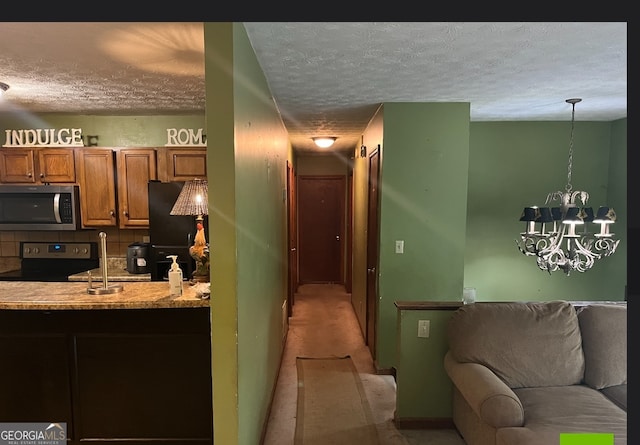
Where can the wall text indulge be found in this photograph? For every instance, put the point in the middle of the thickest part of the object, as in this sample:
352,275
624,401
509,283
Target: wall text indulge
44,137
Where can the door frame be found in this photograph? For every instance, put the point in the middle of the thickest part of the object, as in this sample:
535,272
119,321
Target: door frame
373,247
292,239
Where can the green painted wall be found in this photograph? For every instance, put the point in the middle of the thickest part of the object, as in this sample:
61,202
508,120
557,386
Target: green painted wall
222,230
515,164
260,162
247,180
424,203
112,131
322,165
423,388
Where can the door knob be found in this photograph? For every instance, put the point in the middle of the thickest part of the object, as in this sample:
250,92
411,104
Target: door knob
337,237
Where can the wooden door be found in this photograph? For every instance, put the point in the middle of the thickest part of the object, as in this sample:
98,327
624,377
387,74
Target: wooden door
95,172
372,251
292,244
321,229
136,167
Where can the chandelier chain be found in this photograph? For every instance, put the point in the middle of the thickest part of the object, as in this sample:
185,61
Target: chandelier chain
569,187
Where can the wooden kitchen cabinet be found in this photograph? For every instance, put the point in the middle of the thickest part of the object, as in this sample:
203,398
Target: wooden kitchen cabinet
114,186
136,167
37,165
34,381
96,178
187,164
128,376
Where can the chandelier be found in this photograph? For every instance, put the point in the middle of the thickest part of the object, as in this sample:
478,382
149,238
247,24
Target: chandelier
559,237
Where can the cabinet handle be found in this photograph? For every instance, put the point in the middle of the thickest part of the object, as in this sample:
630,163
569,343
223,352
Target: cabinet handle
125,213
42,175
29,175
112,213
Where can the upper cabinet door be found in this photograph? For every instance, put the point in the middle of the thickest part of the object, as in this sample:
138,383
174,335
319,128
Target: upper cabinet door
17,166
185,164
136,167
56,165
96,179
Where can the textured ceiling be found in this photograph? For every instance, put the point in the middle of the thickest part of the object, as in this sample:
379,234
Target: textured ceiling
326,78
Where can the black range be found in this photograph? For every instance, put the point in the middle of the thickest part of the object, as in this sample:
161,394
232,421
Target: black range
53,261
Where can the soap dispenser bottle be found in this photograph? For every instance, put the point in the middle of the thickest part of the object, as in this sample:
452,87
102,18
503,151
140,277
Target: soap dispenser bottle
175,277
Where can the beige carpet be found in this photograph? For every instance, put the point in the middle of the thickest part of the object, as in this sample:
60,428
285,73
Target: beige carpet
332,407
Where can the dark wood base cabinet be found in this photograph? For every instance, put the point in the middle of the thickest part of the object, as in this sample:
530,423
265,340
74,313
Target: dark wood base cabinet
131,377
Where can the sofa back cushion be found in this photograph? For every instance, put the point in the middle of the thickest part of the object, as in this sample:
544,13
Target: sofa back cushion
533,344
604,342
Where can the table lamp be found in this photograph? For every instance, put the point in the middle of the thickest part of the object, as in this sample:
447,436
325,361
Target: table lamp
193,201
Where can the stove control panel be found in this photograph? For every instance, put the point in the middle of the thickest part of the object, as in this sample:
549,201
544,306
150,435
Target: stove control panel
65,250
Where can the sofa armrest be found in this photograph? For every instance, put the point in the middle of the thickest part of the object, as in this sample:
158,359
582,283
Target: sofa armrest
489,397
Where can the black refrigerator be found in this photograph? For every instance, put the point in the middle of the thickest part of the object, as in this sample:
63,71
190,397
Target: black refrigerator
169,234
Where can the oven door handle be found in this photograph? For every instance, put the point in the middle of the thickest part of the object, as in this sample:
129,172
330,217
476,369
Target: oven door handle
56,208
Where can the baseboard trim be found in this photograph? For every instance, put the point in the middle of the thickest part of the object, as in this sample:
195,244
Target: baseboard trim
424,423
265,423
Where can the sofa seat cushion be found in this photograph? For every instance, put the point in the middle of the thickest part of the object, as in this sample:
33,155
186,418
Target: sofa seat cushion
604,342
566,409
525,344
617,394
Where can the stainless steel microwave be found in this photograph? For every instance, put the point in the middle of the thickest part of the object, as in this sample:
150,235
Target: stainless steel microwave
39,207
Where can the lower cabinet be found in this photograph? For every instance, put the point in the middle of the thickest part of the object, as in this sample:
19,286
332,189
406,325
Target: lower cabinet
114,376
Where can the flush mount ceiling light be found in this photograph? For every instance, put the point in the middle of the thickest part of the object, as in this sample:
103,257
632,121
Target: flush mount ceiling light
560,246
324,141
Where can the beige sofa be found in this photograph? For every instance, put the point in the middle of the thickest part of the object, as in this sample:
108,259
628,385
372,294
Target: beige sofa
523,373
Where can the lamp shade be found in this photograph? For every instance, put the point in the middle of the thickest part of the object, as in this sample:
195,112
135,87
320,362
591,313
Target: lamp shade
573,216
605,215
586,213
530,214
545,215
193,199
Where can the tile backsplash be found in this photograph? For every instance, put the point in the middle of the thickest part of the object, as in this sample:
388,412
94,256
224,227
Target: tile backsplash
118,241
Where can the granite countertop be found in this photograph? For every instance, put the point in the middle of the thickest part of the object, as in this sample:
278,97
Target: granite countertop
68,295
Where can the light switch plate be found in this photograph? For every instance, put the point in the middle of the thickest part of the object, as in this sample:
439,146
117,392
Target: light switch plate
399,246
423,328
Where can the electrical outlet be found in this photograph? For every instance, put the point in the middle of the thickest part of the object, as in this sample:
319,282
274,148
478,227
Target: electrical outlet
423,328
399,246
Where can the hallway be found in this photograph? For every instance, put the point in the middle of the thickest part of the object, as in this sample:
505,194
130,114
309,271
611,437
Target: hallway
323,323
